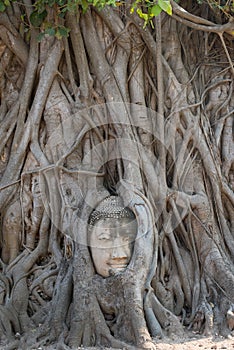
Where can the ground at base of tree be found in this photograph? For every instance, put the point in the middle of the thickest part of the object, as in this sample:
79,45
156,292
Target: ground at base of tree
195,342
192,342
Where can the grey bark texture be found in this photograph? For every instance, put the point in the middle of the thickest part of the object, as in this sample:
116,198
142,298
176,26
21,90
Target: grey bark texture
116,109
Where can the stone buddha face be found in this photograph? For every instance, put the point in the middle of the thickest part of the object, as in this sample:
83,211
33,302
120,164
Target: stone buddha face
111,240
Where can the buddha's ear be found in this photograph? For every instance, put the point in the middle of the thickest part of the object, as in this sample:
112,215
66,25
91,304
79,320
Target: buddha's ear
89,231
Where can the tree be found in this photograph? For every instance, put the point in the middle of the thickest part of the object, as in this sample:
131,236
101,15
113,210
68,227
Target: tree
116,101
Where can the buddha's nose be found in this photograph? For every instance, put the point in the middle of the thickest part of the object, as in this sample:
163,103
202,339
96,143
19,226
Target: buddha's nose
119,250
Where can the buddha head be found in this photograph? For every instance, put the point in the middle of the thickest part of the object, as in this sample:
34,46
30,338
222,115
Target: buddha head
112,231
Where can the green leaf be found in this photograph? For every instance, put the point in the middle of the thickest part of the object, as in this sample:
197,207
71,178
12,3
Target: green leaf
151,23
40,36
84,5
62,32
156,10
7,2
165,6
145,16
40,6
37,19
60,2
51,3
28,36
70,7
50,31
2,7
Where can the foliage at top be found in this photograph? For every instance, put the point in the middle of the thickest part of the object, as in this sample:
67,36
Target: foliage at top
41,15
42,19
148,9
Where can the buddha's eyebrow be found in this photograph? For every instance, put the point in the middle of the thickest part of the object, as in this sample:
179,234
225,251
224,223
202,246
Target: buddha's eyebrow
103,233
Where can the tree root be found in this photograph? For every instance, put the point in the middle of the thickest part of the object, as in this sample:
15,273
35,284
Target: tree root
12,346
167,319
204,319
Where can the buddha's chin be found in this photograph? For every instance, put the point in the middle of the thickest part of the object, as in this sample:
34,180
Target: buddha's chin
115,269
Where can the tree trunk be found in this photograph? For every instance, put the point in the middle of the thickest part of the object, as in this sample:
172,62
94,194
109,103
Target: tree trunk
145,114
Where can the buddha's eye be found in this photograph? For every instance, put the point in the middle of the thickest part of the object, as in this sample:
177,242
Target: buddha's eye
104,237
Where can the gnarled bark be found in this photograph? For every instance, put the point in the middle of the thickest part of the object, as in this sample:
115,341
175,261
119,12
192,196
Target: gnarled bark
142,113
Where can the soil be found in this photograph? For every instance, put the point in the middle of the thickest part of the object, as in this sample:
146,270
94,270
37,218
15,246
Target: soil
192,341
195,342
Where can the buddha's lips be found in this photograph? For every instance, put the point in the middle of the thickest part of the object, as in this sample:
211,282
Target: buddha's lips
118,264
